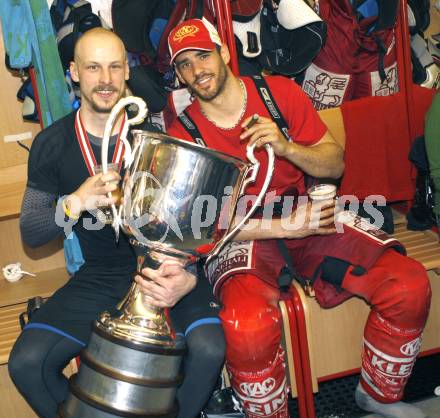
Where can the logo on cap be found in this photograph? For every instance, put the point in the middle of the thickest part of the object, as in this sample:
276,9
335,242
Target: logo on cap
185,31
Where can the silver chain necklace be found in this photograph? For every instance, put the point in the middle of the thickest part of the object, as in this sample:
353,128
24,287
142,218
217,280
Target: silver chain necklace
243,110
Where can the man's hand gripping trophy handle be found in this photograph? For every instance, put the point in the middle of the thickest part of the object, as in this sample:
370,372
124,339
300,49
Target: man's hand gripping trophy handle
128,154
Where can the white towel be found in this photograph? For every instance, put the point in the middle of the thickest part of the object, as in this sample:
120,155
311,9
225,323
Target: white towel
293,14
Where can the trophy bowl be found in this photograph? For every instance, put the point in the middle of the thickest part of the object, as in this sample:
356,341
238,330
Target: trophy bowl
179,197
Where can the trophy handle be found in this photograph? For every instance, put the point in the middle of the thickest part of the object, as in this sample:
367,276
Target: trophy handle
128,154
253,171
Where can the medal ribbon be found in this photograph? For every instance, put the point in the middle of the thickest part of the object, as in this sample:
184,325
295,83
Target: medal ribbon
86,148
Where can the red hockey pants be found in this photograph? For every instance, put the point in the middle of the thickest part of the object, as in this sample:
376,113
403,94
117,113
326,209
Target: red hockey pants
396,287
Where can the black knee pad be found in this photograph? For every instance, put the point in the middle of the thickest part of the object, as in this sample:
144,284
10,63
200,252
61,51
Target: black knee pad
333,270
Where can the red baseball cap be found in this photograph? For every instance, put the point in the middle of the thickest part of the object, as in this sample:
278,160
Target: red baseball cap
197,34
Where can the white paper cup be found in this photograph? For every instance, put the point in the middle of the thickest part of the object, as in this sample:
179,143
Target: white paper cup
322,192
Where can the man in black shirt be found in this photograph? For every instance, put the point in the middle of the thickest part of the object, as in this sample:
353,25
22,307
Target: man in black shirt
62,166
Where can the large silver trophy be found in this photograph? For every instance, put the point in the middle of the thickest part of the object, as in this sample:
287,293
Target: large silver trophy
178,200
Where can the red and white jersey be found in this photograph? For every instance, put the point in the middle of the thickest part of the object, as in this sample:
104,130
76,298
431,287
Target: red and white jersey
305,128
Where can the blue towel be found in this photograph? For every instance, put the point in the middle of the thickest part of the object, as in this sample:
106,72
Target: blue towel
15,34
73,253
29,39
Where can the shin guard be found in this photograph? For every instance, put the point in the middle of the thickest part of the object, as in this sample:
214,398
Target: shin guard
384,374
263,393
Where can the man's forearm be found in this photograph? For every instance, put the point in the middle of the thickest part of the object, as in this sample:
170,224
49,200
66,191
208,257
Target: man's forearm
305,220
260,229
324,160
37,219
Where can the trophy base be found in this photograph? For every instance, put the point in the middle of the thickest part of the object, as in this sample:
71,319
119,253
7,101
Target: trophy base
119,377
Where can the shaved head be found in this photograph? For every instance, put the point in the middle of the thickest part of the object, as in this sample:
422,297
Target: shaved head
94,37
101,68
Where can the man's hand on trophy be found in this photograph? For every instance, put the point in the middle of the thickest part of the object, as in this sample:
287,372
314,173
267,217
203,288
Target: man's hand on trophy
92,193
165,286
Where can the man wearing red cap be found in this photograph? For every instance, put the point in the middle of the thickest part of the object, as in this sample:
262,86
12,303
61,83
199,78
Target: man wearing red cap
360,261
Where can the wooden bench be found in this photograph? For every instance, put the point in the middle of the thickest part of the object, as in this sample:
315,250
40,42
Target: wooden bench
13,301
48,264
47,261
12,185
